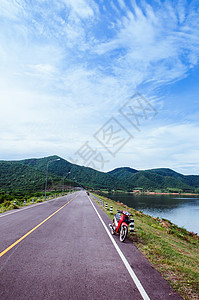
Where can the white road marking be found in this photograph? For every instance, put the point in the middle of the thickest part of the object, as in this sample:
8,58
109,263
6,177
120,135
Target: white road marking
131,272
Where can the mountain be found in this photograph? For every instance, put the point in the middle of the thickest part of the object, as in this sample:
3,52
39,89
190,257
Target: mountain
123,172
57,165
19,178
162,178
166,172
30,174
84,175
191,180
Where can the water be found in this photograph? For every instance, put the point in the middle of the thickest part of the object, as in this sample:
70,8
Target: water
180,210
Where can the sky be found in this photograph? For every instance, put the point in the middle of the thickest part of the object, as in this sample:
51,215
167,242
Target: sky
101,83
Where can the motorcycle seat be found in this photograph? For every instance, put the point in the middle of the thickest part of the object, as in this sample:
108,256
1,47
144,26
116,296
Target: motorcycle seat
117,216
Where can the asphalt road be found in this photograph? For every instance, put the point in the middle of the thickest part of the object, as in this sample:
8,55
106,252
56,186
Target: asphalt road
61,250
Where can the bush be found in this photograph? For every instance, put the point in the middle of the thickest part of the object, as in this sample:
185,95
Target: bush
6,204
12,206
39,200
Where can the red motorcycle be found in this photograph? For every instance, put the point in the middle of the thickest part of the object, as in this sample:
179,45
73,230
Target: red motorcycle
120,225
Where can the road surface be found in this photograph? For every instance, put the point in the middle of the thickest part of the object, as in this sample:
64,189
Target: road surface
60,249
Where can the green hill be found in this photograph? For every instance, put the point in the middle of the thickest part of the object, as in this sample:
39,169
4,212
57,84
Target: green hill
123,173
19,178
162,178
84,175
59,167
191,181
29,176
151,180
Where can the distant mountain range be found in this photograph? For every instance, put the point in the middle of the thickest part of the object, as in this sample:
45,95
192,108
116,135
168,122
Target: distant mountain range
163,179
30,174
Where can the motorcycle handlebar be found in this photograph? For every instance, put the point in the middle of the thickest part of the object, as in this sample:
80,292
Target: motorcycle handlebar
121,211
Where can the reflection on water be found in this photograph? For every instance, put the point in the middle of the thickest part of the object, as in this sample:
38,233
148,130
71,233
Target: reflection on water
183,211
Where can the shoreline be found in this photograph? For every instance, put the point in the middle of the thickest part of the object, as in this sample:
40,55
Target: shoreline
164,193
146,193
158,196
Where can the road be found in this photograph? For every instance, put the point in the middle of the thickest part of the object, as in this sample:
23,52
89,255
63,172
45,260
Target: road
60,249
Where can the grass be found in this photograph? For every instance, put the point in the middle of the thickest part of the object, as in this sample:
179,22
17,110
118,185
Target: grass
18,203
172,250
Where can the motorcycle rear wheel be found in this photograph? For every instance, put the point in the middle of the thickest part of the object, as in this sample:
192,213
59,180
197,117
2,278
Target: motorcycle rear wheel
123,233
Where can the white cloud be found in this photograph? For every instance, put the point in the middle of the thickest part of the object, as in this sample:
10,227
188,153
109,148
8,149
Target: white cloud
114,7
81,7
172,146
152,46
122,4
181,11
65,69
42,69
9,9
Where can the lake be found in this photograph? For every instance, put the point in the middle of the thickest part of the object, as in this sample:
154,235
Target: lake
180,210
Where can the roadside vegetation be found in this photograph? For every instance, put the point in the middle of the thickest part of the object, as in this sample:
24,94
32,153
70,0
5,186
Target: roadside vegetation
15,201
172,250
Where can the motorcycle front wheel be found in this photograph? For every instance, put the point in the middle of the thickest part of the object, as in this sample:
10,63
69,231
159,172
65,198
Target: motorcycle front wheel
123,233
113,230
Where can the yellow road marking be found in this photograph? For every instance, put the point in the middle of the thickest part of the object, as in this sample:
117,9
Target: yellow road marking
29,232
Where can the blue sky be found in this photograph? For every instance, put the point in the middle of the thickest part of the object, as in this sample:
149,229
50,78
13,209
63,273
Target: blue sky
68,66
